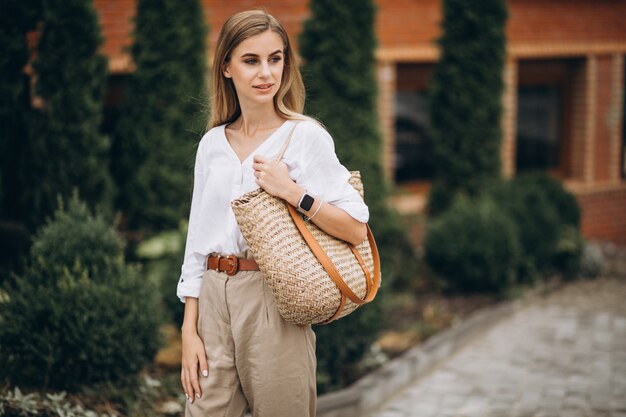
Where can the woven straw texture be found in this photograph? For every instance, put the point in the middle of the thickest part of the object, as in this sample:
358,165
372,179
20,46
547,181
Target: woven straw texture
304,292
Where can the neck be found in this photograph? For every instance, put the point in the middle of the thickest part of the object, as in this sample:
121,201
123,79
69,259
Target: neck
257,117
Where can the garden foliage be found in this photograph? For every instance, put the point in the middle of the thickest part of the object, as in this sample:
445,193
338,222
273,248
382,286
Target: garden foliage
79,314
16,19
337,45
466,94
162,116
548,219
516,232
474,245
64,145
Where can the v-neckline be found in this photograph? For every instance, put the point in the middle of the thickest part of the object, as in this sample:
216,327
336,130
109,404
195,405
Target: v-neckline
255,150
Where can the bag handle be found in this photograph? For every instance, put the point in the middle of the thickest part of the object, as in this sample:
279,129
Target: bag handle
329,266
282,151
372,285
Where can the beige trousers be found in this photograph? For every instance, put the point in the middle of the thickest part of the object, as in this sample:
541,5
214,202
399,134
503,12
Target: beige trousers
257,361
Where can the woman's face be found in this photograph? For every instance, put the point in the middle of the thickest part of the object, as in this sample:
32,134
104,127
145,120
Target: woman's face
256,68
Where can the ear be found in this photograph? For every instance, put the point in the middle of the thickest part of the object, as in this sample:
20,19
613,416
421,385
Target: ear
226,71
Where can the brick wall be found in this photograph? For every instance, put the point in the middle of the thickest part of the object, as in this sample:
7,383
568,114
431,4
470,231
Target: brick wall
117,24
604,215
590,31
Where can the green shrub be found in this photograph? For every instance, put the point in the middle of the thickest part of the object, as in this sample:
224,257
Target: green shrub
344,99
548,218
163,255
563,201
342,344
163,114
474,246
64,144
78,314
466,100
75,238
16,403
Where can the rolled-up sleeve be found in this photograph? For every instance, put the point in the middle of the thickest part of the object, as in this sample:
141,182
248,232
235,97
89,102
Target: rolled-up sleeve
192,269
318,170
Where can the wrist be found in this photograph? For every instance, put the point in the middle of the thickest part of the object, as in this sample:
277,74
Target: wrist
294,194
188,331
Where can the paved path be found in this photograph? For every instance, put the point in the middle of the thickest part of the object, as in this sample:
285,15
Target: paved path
560,355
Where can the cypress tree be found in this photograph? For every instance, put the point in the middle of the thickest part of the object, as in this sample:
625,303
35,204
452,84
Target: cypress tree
466,94
17,18
337,45
162,117
66,149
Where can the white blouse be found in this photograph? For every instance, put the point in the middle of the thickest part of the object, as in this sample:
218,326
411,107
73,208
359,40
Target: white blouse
220,177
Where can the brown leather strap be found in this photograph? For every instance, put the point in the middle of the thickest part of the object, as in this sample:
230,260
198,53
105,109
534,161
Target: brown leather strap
231,264
329,266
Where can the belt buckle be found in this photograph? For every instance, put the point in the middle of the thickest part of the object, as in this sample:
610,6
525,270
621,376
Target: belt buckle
233,265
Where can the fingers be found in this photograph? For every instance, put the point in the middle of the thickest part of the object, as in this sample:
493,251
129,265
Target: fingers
193,376
204,367
189,393
260,159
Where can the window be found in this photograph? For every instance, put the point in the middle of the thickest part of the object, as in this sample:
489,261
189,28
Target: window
545,104
538,127
624,126
413,147
413,144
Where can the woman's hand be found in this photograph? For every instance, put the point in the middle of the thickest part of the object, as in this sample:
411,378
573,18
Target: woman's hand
273,177
193,355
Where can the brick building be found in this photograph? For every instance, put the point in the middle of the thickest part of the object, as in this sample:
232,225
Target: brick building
563,101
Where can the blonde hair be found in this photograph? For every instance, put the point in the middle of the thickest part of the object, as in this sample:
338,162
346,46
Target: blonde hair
289,99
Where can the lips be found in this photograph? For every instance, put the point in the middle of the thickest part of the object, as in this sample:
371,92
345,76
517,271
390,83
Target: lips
264,87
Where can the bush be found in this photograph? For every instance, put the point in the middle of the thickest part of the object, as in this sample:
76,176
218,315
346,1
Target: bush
344,99
63,142
162,116
162,255
474,246
342,344
466,100
78,314
16,403
548,219
563,201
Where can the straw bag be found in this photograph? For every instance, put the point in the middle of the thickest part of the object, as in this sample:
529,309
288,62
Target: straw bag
315,278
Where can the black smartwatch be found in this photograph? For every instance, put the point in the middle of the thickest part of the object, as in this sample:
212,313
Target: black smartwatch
306,202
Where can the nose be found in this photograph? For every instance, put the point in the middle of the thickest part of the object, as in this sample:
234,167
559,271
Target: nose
264,70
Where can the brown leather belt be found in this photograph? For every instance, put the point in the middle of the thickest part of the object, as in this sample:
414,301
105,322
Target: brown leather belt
230,264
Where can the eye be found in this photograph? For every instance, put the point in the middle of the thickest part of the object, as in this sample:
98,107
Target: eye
250,61
275,59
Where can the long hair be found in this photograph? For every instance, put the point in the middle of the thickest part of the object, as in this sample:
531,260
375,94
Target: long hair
289,99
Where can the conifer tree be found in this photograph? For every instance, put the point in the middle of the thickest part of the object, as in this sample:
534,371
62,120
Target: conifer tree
466,94
337,45
162,116
66,150
17,18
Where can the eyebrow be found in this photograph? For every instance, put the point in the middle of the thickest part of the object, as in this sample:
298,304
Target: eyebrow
250,54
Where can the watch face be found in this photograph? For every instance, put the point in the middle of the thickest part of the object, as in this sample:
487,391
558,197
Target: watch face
307,202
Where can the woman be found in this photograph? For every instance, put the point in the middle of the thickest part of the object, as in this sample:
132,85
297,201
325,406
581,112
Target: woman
238,352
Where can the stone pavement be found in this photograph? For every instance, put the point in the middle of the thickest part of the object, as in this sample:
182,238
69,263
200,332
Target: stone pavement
559,355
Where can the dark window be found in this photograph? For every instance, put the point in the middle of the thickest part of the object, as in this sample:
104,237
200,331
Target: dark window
549,93
113,99
413,152
538,127
624,127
